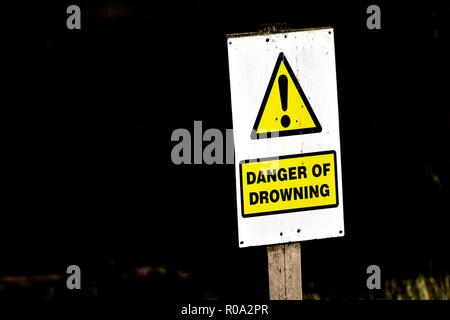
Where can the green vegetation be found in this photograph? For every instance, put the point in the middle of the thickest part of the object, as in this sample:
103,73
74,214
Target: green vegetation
421,288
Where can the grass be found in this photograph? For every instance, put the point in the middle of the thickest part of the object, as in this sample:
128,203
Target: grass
420,288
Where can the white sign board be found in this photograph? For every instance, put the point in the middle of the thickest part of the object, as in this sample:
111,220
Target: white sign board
286,137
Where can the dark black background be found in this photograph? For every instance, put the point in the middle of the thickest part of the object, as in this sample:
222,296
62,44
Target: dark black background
87,173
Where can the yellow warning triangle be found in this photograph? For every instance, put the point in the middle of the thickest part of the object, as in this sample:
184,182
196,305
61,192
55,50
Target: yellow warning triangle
285,110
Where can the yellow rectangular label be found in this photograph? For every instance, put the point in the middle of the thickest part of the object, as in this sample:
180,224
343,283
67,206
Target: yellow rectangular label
288,183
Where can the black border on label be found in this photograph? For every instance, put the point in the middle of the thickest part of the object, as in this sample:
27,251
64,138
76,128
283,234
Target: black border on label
316,129
289,157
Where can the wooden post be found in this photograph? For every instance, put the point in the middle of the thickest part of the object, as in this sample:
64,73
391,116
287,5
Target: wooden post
285,278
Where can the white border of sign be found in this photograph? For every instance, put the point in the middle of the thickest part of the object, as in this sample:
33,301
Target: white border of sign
251,59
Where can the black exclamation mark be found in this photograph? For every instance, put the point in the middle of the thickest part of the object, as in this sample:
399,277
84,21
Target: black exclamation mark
283,86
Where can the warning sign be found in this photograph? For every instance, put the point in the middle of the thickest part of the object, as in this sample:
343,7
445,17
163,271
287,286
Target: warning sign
286,136
288,183
285,110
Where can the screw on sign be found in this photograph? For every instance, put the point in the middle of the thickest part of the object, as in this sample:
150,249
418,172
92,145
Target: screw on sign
288,184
